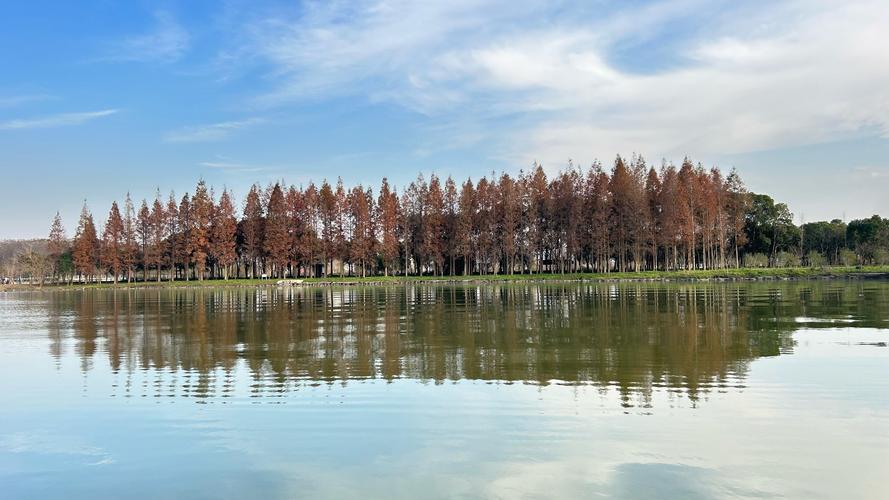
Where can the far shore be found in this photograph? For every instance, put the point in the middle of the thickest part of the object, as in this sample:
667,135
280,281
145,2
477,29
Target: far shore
744,274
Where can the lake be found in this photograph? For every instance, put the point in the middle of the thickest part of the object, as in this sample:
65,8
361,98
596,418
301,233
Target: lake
571,390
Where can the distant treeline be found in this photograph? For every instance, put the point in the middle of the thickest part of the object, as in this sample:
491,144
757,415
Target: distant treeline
631,218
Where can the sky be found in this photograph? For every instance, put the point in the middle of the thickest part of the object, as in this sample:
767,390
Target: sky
102,98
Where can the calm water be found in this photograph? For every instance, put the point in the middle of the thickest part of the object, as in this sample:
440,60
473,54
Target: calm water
537,391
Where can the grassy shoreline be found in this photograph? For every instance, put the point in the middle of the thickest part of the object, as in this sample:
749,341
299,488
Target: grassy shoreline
797,273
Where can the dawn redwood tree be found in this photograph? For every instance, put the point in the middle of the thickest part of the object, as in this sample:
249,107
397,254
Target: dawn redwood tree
388,210
671,214
465,224
622,213
508,215
199,239
523,244
484,225
559,220
716,201
411,223
362,227
296,227
575,229
598,211
327,208
309,241
276,244
736,207
370,231
652,215
594,221
171,231
252,229
565,213
340,225
349,239
451,207
223,234
688,199
638,228
433,225
131,247
707,217
538,217
113,243
185,245
144,234
86,244
158,232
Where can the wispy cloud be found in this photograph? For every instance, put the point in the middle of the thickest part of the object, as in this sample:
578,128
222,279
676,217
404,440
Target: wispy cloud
558,79
12,101
230,166
255,171
870,172
59,120
211,132
167,42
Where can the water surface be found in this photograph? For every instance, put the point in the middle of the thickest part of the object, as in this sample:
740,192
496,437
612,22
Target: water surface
507,391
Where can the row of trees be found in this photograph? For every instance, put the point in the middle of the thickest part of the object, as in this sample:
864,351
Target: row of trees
631,218
835,242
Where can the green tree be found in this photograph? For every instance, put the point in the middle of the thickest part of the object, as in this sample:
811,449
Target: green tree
769,227
868,236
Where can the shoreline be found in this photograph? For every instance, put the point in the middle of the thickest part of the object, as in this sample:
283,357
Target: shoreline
718,275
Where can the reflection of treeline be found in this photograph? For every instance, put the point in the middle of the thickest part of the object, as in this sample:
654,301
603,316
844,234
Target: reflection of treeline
636,338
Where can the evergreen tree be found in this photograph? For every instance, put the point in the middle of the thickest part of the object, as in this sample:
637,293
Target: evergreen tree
57,245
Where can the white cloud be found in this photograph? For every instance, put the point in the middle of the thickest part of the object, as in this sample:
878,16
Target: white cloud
551,84
58,120
168,42
211,132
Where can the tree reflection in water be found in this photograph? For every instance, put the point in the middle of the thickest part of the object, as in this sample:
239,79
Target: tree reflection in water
687,340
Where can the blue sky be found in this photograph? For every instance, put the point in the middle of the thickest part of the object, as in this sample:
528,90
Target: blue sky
101,98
